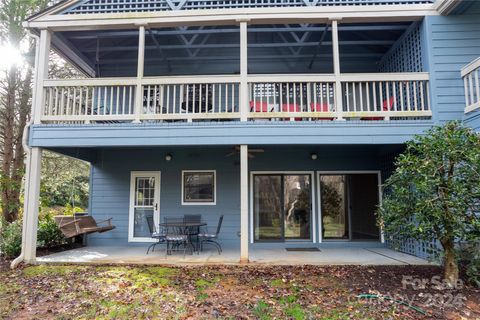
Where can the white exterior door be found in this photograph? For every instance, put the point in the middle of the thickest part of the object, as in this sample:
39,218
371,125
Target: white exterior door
144,203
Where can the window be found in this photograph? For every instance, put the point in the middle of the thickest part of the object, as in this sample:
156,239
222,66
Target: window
198,187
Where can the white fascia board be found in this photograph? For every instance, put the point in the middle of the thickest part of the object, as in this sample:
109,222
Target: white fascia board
380,13
445,7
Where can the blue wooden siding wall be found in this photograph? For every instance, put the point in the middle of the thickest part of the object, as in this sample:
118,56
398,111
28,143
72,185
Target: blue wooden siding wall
110,186
453,41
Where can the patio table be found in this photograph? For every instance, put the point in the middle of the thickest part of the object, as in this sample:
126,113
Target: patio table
185,225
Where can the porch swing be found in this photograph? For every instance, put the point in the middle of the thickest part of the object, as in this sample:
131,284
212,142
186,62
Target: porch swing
80,224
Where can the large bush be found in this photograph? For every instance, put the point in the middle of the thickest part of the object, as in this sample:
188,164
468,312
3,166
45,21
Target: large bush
11,239
434,192
49,235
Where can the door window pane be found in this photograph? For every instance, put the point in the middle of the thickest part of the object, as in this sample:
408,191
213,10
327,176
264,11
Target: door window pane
199,187
268,207
140,225
297,204
334,208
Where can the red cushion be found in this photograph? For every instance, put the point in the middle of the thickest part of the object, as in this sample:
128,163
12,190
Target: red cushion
387,105
319,107
258,106
290,107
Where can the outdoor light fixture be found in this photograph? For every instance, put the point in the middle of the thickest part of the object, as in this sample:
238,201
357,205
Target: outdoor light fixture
314,156
168,157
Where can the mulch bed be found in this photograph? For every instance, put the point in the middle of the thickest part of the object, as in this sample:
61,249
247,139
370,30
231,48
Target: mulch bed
233,292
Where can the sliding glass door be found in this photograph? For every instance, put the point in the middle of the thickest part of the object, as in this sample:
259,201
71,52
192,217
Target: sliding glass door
282,207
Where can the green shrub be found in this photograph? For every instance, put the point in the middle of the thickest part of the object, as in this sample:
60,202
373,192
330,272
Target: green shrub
49,235
11,239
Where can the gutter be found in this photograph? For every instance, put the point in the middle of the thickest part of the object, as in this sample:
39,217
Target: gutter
27,150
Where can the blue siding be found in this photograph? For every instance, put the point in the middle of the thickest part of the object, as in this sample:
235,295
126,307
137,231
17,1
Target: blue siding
453,42
227,133
111,180
472,119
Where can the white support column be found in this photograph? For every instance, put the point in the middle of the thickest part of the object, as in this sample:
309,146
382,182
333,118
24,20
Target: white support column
140,69
32,195
244,203
41,73
243,99
336,71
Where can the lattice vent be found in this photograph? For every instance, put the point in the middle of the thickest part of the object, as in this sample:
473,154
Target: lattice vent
121,6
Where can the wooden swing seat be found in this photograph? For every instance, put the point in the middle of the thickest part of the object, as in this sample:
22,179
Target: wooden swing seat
75,226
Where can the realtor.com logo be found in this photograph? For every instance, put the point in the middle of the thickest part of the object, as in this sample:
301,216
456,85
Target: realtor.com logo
421,293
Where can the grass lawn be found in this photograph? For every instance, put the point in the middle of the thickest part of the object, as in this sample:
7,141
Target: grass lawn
226,292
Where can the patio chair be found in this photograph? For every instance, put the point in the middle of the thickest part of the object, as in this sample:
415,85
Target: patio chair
320,107
212,237
291,107
387,105
175,235
158,235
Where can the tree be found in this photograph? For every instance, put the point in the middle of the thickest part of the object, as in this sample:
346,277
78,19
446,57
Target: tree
15,101
434,192
68,188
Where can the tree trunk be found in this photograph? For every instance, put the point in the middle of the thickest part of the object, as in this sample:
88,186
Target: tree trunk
450,262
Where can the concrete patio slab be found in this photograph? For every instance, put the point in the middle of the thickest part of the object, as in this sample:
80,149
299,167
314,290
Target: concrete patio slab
326,256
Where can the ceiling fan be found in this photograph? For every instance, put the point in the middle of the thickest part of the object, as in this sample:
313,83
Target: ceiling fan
251,152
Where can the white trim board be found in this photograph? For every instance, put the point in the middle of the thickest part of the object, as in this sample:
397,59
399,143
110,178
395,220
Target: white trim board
320,14
156,213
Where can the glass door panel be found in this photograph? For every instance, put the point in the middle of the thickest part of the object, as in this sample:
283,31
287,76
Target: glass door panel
144,204
297,206
267,199
334,207
282,207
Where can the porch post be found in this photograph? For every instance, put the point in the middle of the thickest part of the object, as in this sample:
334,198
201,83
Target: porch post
140,69
41,73
243,99
336,70
244,203
32,194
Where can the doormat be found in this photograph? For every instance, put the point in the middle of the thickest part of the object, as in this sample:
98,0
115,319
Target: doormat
303,249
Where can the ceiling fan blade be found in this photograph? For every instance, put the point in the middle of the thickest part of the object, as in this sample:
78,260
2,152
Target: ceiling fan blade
230,154
256,150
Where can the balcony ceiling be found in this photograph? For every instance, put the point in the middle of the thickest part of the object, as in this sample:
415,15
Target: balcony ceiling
215,49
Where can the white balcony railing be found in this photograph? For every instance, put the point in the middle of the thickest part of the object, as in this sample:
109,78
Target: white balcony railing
370,96
472,85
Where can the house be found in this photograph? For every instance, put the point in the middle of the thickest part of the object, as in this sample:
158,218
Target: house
282,115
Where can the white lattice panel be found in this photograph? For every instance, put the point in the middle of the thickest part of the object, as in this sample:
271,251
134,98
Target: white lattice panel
112,6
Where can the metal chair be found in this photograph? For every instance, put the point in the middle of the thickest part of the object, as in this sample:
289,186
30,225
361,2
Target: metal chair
193,231
176,234
212,237
158,235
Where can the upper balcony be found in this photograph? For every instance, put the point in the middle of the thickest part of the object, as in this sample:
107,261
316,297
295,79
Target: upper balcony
277,72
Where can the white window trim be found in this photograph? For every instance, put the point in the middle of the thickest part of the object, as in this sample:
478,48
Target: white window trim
156,213
313,238
200,203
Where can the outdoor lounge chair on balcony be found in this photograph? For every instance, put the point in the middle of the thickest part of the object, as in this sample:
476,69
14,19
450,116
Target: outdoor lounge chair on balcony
320,107
387,105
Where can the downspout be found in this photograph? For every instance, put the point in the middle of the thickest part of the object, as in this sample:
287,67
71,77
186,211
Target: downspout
27,151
